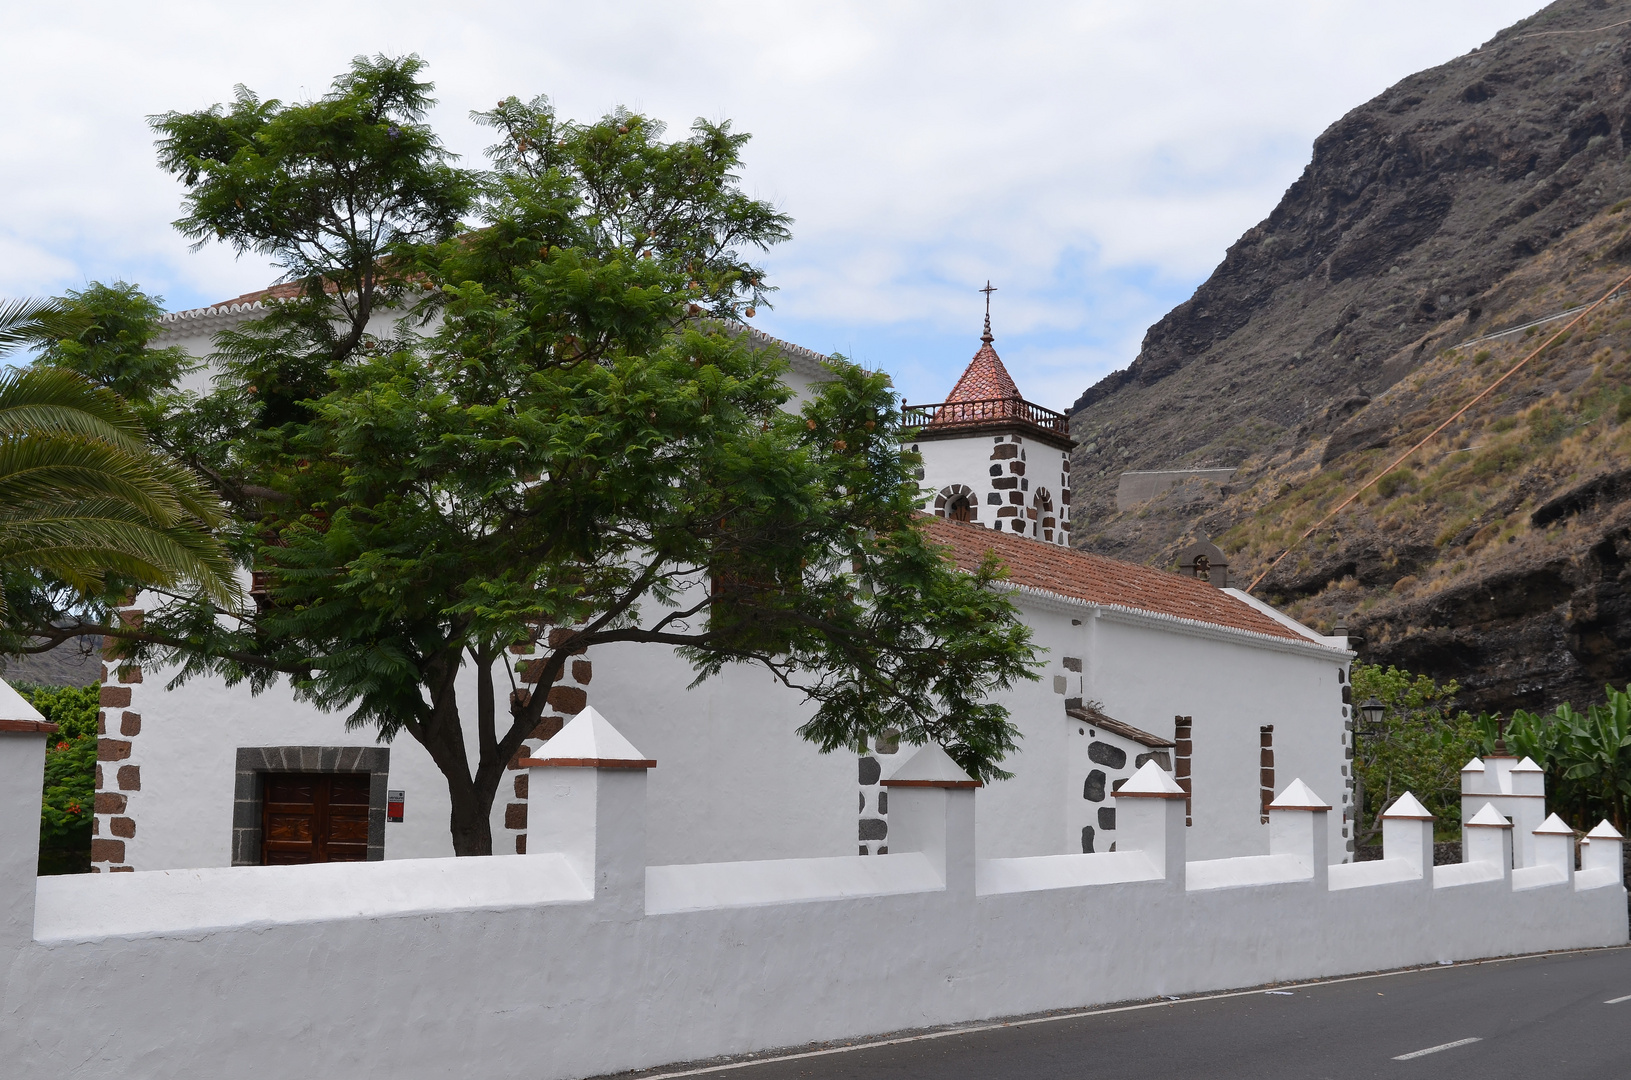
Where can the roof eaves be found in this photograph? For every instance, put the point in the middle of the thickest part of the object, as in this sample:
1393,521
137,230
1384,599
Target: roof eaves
1194,627
1119,727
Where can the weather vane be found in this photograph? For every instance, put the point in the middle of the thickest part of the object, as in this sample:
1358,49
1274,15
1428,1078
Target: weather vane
988,290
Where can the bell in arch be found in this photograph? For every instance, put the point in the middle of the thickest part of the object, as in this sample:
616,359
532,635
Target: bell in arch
1205,561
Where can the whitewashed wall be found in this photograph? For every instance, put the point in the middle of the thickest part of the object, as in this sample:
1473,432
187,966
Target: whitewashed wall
579,959
1147,671
967,461
738,783
1144,670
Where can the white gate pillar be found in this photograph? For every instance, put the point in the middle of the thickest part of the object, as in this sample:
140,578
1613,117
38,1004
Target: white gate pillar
587,801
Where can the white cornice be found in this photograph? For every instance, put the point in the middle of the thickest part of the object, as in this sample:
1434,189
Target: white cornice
205,320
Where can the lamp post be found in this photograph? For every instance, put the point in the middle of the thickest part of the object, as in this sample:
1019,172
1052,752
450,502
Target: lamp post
1372,710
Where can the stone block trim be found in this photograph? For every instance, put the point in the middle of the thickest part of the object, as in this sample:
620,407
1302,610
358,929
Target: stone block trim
1182,752
113,810
108,851
872,807
1265,742
568,697
254,762
112,749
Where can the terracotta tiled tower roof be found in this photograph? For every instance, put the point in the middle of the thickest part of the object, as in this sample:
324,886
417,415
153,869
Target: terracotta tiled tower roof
985,377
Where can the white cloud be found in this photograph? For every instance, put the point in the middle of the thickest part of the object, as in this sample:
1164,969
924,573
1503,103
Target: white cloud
1093,159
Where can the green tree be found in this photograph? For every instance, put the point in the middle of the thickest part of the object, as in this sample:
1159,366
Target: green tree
560,433
1421,746
333,191
104,332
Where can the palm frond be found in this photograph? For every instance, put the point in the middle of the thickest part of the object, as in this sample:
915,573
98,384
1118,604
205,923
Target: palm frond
55,401
25,320
83,497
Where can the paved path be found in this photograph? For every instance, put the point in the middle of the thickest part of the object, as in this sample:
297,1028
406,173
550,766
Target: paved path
1541,1018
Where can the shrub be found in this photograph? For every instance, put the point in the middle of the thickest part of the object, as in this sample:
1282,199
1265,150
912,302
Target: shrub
1401,479
1498,459
1546,426
69,787
1481,355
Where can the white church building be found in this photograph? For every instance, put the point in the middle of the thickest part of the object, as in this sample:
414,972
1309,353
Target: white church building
1142,664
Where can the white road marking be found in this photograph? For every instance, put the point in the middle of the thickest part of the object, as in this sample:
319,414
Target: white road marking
1436,1049
1616,1001
1283,993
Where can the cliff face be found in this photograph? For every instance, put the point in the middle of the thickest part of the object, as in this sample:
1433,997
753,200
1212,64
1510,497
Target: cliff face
1467,199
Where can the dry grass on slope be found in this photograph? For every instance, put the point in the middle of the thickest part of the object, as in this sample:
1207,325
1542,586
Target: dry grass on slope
1462,506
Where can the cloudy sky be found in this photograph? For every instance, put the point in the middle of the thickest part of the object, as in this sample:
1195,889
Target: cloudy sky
1092,159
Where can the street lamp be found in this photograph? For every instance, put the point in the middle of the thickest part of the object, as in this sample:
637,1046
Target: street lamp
1372,710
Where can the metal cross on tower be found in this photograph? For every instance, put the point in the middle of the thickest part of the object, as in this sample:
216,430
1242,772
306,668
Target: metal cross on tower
988,290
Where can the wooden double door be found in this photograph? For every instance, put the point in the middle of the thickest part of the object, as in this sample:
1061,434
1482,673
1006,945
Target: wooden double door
314,817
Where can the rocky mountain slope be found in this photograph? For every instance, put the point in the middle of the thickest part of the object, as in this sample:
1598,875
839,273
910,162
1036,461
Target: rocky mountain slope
1468,199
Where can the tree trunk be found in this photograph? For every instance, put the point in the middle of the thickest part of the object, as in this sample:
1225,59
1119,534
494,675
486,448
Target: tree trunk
470,821
442,736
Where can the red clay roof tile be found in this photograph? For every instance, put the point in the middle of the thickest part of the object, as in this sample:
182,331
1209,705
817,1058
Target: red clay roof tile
1098,580
984,378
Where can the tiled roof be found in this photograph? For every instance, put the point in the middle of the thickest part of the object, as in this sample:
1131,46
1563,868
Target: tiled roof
1098,580
984,378
286,291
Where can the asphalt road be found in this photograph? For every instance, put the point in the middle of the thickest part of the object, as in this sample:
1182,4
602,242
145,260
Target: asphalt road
1539,1018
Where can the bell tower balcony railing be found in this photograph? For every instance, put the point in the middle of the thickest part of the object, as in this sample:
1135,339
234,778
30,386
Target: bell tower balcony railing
983,413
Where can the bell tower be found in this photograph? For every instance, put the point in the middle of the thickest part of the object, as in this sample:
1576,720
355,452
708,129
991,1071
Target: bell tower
992,458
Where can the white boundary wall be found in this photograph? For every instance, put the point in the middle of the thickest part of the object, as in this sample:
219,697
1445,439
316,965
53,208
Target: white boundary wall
578,959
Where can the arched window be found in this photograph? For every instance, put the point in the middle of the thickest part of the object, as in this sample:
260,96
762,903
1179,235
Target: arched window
1044,526
958,503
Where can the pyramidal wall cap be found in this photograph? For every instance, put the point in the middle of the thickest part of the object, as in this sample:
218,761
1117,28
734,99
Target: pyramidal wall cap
588,741
1489,818
1151,781
1407,806
16,714
1475,765
1298,796
1604,831
1527,765
1554,826
931,766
